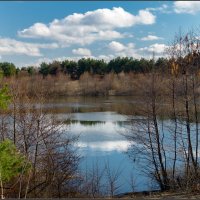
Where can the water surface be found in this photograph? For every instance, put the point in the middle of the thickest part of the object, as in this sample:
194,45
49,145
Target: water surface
100,124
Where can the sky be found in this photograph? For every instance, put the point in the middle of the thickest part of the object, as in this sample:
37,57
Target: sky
35,32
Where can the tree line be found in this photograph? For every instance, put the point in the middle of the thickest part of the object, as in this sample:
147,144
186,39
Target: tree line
96,67
93,66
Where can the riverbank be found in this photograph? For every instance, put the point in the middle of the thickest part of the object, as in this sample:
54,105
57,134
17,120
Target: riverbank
88,85
129,85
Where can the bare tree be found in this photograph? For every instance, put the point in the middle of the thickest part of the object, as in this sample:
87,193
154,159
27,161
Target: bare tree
112,177
44,140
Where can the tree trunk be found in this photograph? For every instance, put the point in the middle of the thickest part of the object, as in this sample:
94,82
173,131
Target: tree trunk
1,183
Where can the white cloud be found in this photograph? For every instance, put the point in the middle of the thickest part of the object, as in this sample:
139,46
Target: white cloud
122,50
100,24
105,57
40,30
190,7
151,37
82,52
145,17
156,48
116,46
10,46
163,9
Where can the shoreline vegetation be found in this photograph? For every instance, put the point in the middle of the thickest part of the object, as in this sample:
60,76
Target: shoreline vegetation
130,85
86,77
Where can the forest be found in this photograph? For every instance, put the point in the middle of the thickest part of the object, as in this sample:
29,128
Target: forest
86,65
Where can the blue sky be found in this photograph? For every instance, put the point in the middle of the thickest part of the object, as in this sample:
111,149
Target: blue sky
33,32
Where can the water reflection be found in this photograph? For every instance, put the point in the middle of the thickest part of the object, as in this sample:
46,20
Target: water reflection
98,116
100,137
98,132
105,146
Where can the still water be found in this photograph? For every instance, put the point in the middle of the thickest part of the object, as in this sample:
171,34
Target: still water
100,124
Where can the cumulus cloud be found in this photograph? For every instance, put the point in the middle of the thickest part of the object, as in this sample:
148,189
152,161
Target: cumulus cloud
151,37
116,46
10,46
116,49
105,57
156,48
144,17
39,30
78,28
82,52
122,50
190,7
